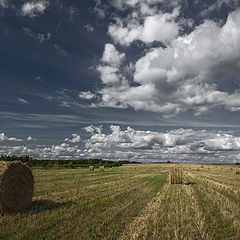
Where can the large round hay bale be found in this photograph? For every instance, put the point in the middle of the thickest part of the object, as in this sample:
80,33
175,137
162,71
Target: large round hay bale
237,171
16,186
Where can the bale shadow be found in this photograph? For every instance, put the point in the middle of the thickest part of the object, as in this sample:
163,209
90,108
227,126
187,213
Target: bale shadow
190,183
46,204
38,206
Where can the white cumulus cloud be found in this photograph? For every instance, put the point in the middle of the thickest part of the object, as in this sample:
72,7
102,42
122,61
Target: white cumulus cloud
3,137
111,56
75,138
182,76
86,95
29,138
111,59
176,145
158,27
185,145
34,8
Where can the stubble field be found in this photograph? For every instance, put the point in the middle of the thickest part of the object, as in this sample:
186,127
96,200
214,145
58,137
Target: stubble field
130,202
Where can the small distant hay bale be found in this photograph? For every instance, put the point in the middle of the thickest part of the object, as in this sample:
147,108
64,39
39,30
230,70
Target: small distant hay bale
176,175
237,171
91,168
16,187
101,168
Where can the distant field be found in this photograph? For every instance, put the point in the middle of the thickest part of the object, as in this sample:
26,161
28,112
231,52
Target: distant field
130,202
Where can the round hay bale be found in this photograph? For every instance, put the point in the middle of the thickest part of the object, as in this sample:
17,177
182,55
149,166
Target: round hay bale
101,168
91,168
176,175
16,186
237,171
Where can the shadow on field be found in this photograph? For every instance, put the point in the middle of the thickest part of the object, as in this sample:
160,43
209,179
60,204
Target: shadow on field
190,183
46,204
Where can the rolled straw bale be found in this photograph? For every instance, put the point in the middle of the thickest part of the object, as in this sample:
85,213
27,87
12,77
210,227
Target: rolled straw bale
101,168
176,175
91,168
16,186
237,171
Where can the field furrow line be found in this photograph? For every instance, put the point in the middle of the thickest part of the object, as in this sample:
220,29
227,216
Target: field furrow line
199,220
226,210
138,228
231,184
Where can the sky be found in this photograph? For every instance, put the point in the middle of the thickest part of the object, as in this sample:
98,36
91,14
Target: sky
138,80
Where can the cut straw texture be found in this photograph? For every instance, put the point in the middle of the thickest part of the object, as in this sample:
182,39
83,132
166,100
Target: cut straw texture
176,175
101,168
16,187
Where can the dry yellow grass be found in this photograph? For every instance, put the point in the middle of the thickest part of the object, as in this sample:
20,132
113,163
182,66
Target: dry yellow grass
16,186
176,175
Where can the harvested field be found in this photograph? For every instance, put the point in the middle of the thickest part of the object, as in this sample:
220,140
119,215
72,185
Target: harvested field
130,202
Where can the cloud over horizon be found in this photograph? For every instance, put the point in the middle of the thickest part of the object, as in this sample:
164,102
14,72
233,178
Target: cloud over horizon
4,137
177,145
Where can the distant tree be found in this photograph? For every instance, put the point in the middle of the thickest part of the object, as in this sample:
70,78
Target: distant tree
70,164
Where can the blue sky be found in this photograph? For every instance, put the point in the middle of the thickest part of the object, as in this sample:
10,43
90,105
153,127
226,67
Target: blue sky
147,80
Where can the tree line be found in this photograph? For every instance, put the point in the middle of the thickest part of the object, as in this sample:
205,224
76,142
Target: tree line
65,163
